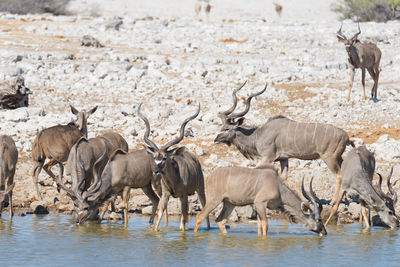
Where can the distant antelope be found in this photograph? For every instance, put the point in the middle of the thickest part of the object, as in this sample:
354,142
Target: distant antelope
207,8
281,138
8,162
197,8
180,170
364,56
237,186
357,171
82,163
58,139
278,8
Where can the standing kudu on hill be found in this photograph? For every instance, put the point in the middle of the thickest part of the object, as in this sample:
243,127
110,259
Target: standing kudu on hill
58,139
83,163
8,162
281,138
237,186
122,172
357,172
180,170
364,56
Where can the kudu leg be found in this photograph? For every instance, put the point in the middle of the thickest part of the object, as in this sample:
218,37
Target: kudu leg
210,205
184,210
262,217
38,165
334,209
376,82
352,70
47,168
202,198
11,204
363,82
162,207
284,168
103,210
148,191
365,215
225,212
125,197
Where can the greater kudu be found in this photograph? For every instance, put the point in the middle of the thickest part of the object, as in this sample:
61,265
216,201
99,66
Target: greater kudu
281,138
238,186
8,162
81,163
364,56
357,172
122,172
180,170
58,139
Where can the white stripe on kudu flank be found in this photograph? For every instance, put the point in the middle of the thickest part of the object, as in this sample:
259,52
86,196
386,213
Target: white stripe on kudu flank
295,137
315,130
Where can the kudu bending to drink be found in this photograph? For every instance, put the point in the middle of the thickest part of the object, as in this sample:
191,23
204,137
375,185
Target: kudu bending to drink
58,139
281,138
81,163
237,186
8,162
180,171
357,172
122,172
364,56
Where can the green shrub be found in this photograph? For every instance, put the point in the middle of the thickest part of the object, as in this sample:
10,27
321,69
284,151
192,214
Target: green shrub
368,10
56,7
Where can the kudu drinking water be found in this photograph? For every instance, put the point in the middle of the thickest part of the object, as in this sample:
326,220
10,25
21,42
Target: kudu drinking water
180,170
237,186
122,172
58,139
362,55
357,172
81,162
8,162
281,138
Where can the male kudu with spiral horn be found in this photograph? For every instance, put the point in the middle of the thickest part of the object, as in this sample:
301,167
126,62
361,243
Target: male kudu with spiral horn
281,138
180,170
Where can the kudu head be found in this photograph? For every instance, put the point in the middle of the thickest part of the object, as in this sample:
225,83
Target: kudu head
348,42
312,219
85,202
163,156
4,197
232,121
387,213
82,117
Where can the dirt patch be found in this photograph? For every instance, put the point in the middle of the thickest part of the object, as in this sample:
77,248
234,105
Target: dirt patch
231,40
371,134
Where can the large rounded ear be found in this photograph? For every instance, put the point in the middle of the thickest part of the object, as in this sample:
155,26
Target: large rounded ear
340,38
240,121
150,150
90,112
177,151
74,110
305,209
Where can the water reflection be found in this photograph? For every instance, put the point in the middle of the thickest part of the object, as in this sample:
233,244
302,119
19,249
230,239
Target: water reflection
57,240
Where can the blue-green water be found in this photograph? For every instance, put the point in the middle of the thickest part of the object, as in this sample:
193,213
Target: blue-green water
55,240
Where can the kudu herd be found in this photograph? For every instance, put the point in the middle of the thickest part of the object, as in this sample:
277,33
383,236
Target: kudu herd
101,168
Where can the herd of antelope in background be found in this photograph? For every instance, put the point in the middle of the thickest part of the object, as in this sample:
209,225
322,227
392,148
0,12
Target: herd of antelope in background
102,168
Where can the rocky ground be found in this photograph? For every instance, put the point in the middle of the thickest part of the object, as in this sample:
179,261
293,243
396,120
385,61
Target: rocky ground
173,60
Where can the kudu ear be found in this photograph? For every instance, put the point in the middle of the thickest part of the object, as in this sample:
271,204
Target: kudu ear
340,38
74,110
305,209
240,121
150,150
178,150
90,112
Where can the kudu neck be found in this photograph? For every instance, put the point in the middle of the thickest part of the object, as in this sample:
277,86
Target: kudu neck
245,141
291,203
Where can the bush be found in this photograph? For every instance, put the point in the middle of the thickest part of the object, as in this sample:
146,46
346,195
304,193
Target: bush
368,10
56,7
